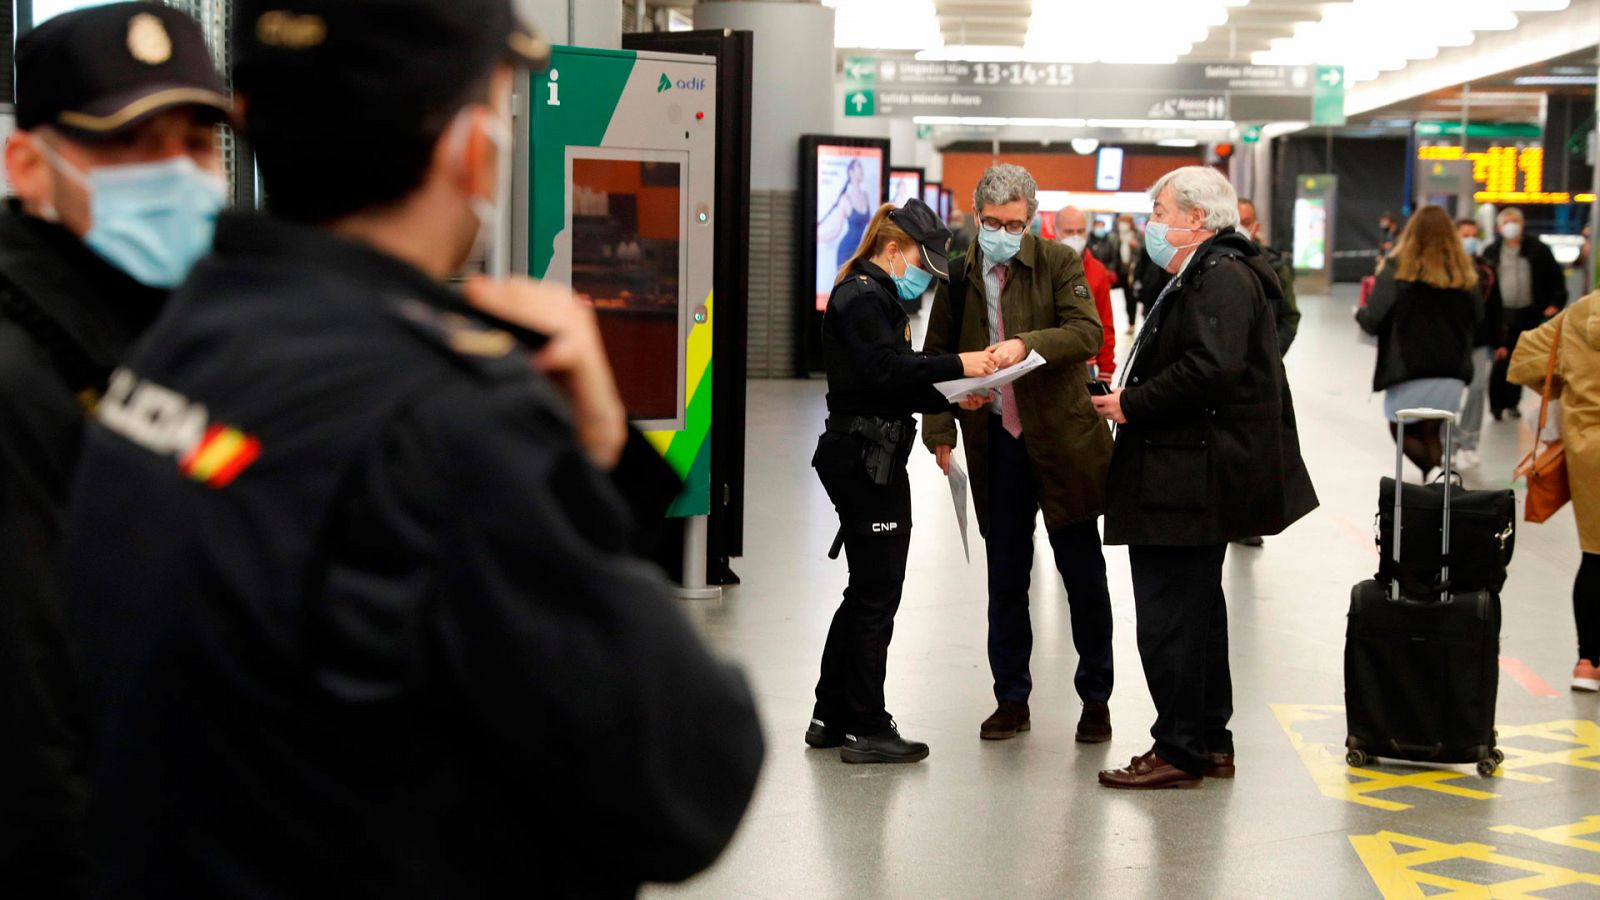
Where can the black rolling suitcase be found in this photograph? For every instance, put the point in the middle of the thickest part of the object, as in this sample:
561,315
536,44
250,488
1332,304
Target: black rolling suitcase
1421,671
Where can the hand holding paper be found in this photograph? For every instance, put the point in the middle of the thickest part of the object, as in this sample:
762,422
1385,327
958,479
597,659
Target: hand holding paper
955,389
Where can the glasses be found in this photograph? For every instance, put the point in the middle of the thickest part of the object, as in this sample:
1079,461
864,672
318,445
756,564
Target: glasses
1012,227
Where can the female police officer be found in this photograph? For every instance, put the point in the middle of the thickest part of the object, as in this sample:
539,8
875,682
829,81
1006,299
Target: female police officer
875,382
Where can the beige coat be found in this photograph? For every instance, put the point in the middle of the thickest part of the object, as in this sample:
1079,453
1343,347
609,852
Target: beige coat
1578,379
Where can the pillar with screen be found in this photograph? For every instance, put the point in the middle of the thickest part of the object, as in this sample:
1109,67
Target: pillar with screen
617,190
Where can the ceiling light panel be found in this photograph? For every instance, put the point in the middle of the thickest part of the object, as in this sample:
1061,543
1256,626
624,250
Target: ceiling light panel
885,24
1144,31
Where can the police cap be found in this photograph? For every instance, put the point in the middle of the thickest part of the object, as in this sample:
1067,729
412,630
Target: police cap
387,58
930,233
98,71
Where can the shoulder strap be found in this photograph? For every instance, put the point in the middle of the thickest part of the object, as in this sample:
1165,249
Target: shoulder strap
1549,379
83,375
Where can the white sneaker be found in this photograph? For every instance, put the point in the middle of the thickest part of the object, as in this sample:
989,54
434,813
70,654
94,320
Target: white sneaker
1467,459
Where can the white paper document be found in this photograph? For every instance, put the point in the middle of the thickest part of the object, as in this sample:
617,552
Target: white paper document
960,387
958,493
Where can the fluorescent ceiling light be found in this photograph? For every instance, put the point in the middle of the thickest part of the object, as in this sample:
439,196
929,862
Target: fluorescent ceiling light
1085,146
971,53
1178,142
1555,80
1129,31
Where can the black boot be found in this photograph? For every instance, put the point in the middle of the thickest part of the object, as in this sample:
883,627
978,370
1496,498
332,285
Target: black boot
883,747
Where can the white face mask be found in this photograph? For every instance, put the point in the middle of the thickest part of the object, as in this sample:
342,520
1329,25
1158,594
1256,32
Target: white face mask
1511,231
487,209
1077,242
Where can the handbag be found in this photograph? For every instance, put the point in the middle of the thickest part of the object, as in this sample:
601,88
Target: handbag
1546,471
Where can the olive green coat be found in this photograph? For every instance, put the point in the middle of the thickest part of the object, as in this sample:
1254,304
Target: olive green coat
1577,385
1048,305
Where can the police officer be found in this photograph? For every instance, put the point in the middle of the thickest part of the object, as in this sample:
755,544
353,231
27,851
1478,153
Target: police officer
875,382
117,184
358,615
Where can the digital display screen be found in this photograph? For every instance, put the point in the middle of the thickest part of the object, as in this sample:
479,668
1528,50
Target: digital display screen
1108,169
945,198
904,185
849,192
1310,233
932,194
627,220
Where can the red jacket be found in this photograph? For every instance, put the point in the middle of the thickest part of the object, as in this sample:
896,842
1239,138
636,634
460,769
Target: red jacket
1100,283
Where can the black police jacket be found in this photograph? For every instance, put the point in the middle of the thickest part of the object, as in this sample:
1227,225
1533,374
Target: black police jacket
866,346
1211,451
66,318
358,615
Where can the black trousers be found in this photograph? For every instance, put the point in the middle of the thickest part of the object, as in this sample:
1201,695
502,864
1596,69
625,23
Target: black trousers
1586,607
876,520
1504,395
1183,643
1013,507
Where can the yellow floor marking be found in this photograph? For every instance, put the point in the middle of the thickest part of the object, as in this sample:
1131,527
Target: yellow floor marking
1584,736
1398,875
1565,835
1334,778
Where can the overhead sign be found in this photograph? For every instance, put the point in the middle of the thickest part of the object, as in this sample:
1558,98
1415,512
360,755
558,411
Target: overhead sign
1327,101
860,102
1250,134
1182,91
1479,129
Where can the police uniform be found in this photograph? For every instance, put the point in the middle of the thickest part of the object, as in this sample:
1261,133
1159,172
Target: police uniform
67,316
876,381
359,615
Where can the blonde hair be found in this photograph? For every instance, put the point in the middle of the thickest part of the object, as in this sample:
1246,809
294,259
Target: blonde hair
1430,251
879,233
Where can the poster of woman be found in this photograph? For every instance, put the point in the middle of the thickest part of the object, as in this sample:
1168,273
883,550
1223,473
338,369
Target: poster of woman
849,191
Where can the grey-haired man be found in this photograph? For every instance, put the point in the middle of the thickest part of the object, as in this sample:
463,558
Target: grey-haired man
1038,446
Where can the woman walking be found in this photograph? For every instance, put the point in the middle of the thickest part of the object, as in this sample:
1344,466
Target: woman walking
1577,385
1425,310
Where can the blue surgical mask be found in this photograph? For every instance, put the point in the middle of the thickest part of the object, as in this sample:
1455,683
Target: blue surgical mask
1156,244
999,246
913,283
1472,245
151,220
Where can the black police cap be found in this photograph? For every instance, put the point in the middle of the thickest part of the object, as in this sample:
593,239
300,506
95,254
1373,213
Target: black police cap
95,72
929,231
389,58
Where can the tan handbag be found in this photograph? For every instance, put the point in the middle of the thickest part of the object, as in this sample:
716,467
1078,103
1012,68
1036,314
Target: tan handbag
1546,471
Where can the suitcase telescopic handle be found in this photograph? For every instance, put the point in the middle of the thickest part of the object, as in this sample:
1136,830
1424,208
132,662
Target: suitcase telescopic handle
1422,414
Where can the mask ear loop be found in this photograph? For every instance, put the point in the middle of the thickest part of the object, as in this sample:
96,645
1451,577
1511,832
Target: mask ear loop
61,166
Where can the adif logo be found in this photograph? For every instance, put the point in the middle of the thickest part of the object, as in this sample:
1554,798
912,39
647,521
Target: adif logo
683,84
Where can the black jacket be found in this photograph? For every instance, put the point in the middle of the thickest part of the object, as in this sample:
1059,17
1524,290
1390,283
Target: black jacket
866,346
358,615
66,318
1286,308
1423,331
1210,452
1549,285
1492,330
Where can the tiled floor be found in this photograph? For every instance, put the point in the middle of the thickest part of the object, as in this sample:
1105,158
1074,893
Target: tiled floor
1026,818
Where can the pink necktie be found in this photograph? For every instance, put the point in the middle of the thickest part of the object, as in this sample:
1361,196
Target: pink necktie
1010,418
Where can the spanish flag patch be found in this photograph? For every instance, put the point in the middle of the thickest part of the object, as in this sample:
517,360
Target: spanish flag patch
220,456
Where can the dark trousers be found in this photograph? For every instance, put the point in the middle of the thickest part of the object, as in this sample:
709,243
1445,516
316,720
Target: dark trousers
1586,608
1183,643
1013,506
876,520
1504,395
1131,299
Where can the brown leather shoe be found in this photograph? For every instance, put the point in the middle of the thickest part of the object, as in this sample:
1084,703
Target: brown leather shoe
1094,726
1219,765
1010,718
1149,772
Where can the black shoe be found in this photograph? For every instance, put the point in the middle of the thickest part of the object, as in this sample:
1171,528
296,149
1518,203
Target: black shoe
1514,412
1094,725
884,747
1250,542
820,736
1497,413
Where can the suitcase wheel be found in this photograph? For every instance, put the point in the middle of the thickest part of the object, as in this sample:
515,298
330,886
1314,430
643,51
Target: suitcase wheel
1487,766
1357,758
